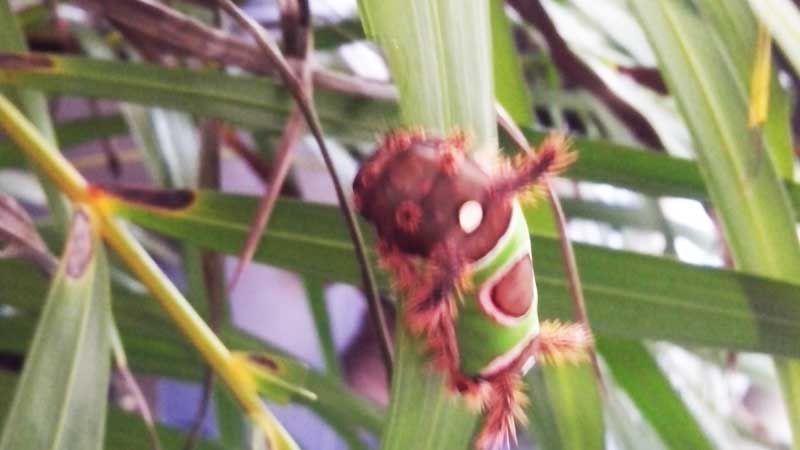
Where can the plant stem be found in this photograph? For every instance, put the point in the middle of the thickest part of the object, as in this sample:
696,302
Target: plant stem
306,107
121,361
567,252
41,152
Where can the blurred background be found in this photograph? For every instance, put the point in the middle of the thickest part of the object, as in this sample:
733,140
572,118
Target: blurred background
595,77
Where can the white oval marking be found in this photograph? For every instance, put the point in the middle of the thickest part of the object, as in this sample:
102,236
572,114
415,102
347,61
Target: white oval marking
470,216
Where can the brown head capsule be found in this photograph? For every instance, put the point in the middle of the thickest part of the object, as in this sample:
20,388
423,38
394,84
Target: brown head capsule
419,191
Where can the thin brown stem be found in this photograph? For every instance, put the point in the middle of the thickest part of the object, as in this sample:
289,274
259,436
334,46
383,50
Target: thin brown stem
297,45
567,252
133,388
141,404
107,145
193,437
213,272
154,26
283,161
309,113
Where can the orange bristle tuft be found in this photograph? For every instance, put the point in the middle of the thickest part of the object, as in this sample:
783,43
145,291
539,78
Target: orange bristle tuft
531,170
559,343
400,265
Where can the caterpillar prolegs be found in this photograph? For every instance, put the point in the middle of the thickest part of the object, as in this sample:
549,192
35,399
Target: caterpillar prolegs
458,247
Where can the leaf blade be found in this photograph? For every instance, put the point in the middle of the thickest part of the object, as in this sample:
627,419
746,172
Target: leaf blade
679,300
72,338
630,363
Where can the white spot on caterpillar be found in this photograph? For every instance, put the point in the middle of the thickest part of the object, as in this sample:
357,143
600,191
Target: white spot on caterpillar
470,216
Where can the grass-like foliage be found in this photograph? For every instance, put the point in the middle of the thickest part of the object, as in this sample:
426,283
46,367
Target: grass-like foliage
683,123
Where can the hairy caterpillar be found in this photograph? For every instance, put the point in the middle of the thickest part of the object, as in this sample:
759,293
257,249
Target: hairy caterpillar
458,247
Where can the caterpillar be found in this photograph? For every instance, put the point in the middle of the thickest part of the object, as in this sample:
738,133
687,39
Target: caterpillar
457,245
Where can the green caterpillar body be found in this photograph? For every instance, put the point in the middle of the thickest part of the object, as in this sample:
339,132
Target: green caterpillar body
456,241
490,338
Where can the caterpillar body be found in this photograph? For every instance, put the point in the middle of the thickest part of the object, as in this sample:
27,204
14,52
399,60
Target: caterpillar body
458,247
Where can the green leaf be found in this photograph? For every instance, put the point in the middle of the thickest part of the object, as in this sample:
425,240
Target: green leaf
315,293
757,218
423,414
124,431
34,106
509,85
278,378
154,346
245,100
232,98
564,410
440,56
735,30
61,398
637,372
630,295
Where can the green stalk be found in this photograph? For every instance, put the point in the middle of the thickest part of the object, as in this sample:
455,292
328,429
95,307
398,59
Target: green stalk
239,380
439,52
34,104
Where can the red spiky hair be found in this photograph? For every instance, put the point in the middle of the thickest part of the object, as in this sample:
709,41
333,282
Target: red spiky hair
504,407
452,150
530,171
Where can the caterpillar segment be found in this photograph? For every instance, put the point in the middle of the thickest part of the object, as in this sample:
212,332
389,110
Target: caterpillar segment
456,241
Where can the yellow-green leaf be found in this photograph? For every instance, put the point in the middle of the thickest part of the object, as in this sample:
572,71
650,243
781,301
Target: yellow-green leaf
60,402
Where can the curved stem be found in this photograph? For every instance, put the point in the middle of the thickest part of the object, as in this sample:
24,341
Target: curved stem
309,113
567,251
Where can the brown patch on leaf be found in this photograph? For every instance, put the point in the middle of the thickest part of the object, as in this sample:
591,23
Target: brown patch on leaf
169,199
265,361
80,246
25,61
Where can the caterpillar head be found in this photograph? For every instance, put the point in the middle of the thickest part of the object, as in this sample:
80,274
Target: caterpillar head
422,191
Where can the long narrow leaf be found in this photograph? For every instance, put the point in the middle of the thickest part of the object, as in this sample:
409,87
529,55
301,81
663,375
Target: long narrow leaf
439,53
60,402
256,101
155,347
630,364
123,430
563,414
757,217
246,100
631,295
